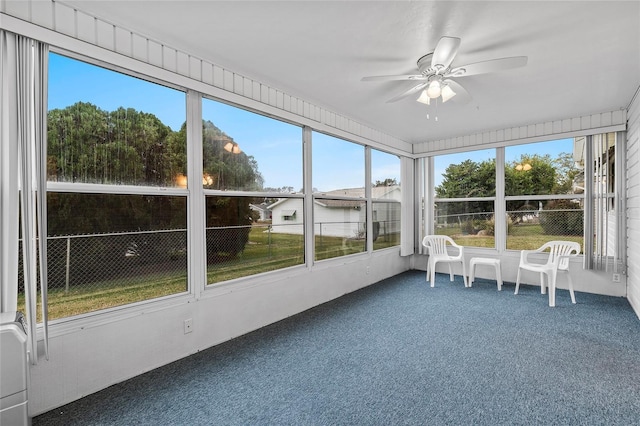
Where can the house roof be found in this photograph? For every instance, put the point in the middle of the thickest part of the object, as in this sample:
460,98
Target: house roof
376,192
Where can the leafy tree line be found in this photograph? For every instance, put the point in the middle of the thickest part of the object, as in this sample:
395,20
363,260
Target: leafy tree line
128,147
543,176
86,144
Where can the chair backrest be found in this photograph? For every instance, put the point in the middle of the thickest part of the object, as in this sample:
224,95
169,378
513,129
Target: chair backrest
437,244
561,250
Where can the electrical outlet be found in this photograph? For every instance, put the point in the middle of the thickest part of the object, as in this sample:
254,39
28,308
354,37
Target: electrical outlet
616,278
188,325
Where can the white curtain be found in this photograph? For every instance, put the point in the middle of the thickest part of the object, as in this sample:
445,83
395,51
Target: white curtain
8,175
24,101
407,221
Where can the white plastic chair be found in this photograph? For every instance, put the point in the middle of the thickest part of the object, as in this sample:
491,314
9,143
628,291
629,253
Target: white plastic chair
557,261
437,248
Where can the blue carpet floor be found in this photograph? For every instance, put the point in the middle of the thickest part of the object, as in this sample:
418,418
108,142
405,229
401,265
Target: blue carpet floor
401,353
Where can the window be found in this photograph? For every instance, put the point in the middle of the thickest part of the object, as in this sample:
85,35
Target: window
465,190
387,195
245,151
547,195
340,207
105,127
603,220
112,140
260,226
543,202
289,215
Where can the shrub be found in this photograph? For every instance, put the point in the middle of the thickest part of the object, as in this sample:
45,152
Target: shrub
467,227
562,217
490,225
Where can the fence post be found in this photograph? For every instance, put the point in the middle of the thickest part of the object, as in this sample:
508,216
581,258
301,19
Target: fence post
269,240
66,285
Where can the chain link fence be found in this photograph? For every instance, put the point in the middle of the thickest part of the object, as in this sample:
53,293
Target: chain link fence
94,260
528,226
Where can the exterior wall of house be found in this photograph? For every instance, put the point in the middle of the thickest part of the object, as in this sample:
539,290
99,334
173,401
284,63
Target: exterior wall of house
633,204
285,223
338,221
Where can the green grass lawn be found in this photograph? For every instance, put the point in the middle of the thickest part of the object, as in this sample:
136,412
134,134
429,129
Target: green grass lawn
520,237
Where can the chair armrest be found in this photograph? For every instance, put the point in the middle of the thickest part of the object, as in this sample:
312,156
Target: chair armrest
524,254
460,250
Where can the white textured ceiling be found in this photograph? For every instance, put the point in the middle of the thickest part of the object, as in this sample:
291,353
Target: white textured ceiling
584,56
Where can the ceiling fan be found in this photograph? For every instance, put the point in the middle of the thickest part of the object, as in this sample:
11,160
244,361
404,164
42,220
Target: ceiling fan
436,78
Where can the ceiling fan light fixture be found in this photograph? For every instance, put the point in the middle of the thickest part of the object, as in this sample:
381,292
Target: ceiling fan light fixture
424,98
447,93
434,89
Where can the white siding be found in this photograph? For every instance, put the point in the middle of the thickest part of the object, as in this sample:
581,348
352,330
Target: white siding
293,224
337,221
578,126
633,204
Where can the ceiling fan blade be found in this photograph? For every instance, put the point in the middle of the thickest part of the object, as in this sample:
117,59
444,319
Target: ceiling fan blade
394,77
462,96
444,53
488,66
411,91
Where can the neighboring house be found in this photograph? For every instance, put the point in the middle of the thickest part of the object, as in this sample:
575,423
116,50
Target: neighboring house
263,211
338,217
287,216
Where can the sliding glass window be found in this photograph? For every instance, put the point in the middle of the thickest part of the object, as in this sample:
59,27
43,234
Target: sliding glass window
340,206
387,195
112,141
465,190
252,180
543,194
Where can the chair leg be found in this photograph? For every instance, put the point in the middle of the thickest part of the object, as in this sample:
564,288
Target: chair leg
431,273
552,289
464,275
428,264
543,289
517,281
499,277
450,272
472,270
573,296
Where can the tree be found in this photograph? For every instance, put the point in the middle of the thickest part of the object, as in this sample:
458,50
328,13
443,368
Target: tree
468,179
465,180
386,182
129,147
566,171
539,179
226,170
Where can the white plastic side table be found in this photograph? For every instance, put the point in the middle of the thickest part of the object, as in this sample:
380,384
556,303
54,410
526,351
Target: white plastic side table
485,261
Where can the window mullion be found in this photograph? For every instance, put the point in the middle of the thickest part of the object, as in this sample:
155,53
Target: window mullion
500,207
196,205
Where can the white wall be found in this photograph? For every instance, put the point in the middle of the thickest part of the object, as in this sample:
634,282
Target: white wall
633,204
